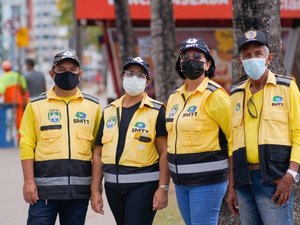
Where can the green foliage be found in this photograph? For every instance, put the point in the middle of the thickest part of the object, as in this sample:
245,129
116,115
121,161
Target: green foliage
66,8
92,33
67,17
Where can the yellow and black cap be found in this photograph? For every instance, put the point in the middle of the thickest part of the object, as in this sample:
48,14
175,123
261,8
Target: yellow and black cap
138,61
196,43
252,36
66,55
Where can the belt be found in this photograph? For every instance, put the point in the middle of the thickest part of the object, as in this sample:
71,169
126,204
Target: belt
254,166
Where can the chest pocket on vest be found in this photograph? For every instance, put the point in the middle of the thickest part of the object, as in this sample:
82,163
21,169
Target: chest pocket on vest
108,152
277,122
237,131
169,126
191,132
51,141
139,151
278,116
84,141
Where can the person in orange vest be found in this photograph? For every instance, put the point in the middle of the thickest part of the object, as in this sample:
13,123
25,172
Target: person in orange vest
14,89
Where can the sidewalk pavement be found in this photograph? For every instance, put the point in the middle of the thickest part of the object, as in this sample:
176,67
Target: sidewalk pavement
13,209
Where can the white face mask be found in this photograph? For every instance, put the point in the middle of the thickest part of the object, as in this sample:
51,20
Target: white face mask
134,85
255,67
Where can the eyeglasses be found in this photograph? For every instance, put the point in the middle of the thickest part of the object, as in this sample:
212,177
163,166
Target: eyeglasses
141,75
252,108
196,57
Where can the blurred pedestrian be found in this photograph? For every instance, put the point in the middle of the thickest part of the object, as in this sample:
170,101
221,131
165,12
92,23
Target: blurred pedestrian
197,121
265,121
36,82
14,89
57,134
131,148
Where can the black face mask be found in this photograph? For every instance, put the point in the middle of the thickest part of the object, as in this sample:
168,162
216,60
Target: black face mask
192,69
66,80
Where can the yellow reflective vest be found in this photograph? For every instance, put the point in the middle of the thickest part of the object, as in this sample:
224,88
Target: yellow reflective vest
274,134
64,134
139,159
198,129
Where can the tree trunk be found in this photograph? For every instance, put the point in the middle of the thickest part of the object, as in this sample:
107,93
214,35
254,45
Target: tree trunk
262,15
77,31
296,66
163,48
124,27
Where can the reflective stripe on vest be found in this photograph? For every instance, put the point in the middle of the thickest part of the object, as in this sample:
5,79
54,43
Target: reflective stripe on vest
131,178
199,167
53,181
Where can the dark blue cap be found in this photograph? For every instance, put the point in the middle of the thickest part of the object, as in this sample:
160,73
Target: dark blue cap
139,62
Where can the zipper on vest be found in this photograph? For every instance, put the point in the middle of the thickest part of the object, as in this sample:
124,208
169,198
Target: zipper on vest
258,132
117,161
69,148
244,128
176,139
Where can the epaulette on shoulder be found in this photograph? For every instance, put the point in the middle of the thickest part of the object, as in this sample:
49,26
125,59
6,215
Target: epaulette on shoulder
212,87
283,80
156,105
173,92
236,88
91,98
108,106
39,97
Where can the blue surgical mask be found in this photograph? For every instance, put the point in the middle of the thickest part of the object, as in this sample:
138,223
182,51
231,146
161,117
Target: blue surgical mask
255,67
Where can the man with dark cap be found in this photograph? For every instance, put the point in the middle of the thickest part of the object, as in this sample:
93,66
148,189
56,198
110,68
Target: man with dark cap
265,138
197,120
57,133
36,82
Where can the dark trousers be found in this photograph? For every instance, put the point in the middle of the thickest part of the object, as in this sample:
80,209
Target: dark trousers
131,204
71,212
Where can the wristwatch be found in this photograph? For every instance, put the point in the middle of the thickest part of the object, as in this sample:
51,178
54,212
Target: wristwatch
295,175
164,186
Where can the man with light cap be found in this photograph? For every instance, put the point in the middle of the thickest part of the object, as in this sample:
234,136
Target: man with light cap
57,133
265,127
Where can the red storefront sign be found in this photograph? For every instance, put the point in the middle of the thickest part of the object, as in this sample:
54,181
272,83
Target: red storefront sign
183,9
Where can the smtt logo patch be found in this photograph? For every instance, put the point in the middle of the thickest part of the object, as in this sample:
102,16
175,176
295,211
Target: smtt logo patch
191,111
81,117
54,116
238,106
173,111
111,122
277,101
139,127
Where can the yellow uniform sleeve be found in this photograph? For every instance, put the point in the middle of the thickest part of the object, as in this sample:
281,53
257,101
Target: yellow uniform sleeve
28,135
218,108
295,122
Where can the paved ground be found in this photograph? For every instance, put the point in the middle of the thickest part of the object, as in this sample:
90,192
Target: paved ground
13,209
